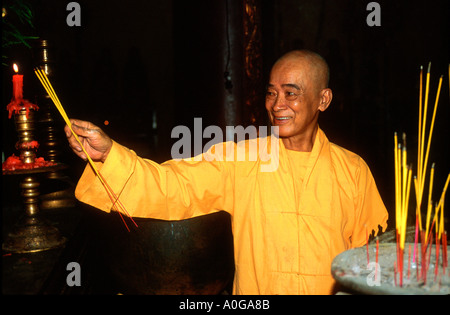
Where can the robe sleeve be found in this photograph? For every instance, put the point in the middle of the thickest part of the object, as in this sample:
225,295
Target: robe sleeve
370,210
173,190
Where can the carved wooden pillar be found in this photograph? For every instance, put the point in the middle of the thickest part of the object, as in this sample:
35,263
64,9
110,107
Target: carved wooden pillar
233,63
254,112
218,63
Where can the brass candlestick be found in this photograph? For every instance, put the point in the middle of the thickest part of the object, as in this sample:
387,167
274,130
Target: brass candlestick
31,233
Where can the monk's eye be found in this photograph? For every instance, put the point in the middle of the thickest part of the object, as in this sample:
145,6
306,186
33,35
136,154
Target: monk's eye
290,95
270,94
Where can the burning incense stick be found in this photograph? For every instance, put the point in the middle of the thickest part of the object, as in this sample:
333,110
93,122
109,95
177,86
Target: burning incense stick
423,152
444,190
51,92
430,134
402,186
403,174
421,163
419,135
422,128
430,205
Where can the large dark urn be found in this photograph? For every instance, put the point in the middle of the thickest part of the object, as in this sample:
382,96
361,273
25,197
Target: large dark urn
193,256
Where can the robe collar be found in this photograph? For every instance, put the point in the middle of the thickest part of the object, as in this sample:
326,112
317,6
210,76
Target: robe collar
319,175
318,157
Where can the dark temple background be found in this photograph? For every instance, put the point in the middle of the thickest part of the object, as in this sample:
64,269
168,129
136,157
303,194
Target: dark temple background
148,66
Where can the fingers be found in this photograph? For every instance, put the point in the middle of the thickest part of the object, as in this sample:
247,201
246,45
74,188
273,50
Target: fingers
74,145
67,131
83,124
81,129
96,143
84,128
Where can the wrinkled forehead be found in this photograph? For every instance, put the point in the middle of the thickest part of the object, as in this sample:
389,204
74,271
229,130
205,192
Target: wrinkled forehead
288,71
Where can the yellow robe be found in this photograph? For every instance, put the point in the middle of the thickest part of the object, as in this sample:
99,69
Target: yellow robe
286,230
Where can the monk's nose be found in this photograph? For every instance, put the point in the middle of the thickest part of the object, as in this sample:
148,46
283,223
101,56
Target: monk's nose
279,103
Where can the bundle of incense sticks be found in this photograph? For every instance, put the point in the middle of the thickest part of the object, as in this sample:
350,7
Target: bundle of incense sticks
116,203
402,183
402,190
419,183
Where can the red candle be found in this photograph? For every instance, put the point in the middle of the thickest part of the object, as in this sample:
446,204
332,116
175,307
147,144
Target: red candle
17,84
17,102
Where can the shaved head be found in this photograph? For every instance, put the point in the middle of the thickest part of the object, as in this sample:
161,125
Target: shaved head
296,92
317,66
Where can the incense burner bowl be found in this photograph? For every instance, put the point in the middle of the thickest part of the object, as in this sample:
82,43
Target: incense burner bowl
354,273
193,256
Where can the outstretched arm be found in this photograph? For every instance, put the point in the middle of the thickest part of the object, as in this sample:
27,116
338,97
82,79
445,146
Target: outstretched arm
174,190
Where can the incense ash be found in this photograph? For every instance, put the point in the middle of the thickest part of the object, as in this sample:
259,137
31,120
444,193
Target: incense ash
350,268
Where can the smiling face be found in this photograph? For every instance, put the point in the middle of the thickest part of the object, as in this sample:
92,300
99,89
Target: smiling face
296,93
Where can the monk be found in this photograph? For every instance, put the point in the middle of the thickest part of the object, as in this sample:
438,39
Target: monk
288,223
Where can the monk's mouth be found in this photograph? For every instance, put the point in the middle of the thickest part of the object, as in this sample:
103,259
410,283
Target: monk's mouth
281,120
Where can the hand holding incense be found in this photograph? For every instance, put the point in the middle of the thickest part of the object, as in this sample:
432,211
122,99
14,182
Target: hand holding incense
116,203
96,143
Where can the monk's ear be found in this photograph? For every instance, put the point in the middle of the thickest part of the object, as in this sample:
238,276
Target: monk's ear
326,95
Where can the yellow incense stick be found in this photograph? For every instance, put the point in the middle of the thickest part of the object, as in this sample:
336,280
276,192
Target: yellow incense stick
48,87
437,218
418,214
51,92
46,83
432,127
430,190
403,174
405,211
441,205
444,190
441,221
430,203
397,190
422,137
424,143
420,123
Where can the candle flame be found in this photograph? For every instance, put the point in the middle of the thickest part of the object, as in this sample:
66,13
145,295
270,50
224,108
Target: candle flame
16,68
